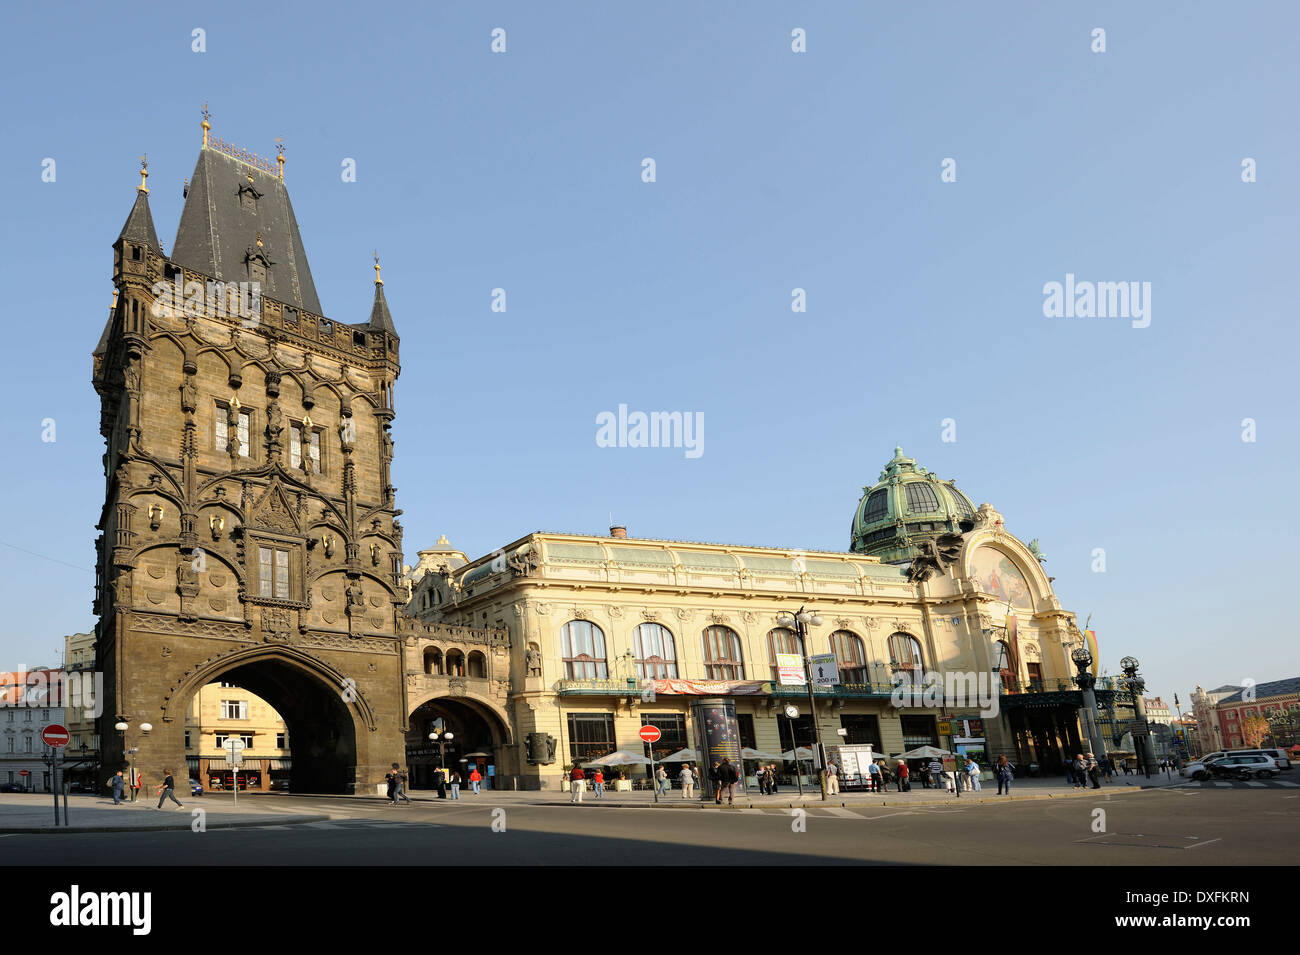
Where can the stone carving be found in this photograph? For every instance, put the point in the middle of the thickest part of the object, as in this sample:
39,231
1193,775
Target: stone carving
456,686
1037,551
683,613
533,661
580,613
651,616
721,619
614,611
524,562
935,557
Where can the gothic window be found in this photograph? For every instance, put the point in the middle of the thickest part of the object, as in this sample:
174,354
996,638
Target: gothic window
850,657
723,658
220,435
295,447
582,645
654,652
273,572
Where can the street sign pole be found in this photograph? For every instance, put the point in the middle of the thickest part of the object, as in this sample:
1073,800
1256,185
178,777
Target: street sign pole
650,735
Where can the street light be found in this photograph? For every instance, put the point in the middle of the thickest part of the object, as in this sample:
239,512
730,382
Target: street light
1136,686
442,739
800,621
1082,658
122,726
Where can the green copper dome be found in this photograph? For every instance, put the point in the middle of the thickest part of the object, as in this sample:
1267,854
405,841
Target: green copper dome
907,505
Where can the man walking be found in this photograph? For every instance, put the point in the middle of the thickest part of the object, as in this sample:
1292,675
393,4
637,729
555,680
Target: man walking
475,779
1094,771
577,783
1004,774
168,790
119,784
440,780
873,777
399,785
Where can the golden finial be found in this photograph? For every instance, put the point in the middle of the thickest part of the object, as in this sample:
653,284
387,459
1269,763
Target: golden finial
114,298
144,174
206,125
378,280
259,240
279,153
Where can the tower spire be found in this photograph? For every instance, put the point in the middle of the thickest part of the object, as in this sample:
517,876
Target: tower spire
144,175
380,318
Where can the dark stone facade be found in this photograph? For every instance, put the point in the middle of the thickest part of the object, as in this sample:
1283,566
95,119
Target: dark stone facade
249,528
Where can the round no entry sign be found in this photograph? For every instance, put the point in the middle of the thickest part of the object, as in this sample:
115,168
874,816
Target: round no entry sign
55,735
650,734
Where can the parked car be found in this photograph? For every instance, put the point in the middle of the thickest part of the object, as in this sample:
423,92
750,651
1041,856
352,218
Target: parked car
280,785
1242,767
1278,756
196,788
11,788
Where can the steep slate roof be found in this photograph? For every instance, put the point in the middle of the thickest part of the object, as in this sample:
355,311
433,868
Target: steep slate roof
216,231
138,227
1265,690
380,319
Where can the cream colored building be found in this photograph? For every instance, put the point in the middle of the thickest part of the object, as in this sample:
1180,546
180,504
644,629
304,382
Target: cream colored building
585,639
220,711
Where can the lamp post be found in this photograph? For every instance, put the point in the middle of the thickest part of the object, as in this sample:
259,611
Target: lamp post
1082,658
800,620
1137,685
122,726
442,739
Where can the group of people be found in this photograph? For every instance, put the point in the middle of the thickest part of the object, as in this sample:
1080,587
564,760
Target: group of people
1083,770
442,781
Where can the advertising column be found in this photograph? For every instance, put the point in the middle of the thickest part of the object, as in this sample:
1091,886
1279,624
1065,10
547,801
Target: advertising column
717,737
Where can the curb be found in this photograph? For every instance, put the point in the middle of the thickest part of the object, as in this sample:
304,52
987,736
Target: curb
844,805
277,820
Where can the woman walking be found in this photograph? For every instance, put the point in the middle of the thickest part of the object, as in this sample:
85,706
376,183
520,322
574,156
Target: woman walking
455,784
688,781
1004,774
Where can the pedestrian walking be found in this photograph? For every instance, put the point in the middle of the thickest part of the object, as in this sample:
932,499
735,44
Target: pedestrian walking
1004,772
398,788
832,779
1080,772
901,773
973,774
440,779
118,784
137,780
168,790
577,783
475,779
727,779
598,783
771,779
455,784
661,776
1108,767
716,782
688,781
936,772
760,776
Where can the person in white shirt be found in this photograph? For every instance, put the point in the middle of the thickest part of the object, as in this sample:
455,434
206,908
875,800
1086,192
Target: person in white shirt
688,781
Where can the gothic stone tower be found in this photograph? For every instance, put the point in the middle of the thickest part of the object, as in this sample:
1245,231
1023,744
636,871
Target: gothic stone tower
248,529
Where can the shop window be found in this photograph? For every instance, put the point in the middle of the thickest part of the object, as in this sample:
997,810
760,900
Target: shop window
862,730
591,735
919,731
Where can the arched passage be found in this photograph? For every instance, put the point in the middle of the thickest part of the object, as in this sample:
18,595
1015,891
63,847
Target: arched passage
479,739
321,729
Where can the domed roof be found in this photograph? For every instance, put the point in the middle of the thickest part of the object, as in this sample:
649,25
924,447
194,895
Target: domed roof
907,505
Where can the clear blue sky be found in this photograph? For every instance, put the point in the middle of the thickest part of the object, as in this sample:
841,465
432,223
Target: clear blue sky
775,170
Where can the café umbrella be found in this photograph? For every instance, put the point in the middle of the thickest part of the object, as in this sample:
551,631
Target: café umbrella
681,756
924,752
620,757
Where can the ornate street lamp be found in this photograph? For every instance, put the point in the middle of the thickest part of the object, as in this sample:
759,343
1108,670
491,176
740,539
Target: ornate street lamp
1082,658
800,621
1137,686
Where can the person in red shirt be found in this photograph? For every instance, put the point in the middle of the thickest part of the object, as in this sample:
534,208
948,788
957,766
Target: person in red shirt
577,783
475,779
598,782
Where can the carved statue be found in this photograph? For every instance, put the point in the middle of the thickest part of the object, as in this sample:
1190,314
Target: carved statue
1036,551
523,563
935,557
274,425
189,395
356,597
533,660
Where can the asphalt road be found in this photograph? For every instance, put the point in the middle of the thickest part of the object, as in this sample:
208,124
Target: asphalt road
1173,827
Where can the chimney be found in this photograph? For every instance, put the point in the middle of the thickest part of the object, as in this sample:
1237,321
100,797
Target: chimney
618,530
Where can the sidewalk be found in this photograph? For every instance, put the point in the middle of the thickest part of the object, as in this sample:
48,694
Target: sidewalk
1022,789
34,813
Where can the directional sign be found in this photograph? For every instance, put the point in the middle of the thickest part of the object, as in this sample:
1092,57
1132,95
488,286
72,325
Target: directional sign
233,745
649,734
55,735
825,671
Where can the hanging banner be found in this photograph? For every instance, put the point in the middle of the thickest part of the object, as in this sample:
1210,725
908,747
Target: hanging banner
708,687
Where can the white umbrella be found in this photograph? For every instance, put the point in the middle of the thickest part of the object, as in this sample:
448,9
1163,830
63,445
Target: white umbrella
682,756
924,752
802,752
747,753
620,757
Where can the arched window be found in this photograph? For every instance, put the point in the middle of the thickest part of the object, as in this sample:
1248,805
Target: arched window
654,652
582,644
723,658
905,656
850,656
781,640
433,661
477,665
455,663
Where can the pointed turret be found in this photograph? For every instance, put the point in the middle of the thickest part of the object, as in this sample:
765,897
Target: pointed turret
381,320
139,228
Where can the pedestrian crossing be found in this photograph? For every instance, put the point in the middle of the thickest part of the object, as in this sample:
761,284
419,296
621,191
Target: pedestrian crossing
1238,784
350,824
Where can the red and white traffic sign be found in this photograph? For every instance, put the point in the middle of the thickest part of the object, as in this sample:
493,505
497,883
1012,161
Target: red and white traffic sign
650,734
24,772
55,735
